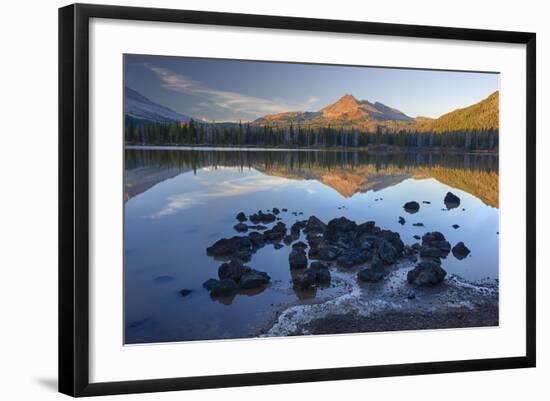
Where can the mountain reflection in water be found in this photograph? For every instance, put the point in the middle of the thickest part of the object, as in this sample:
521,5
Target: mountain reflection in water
347,172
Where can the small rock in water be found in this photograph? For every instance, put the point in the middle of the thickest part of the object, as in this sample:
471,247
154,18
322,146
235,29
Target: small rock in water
417,237
451,200
411,207
427,202
401,220
455,226
418,224
240,227
284,209
275,211
241,217
460,251
185,292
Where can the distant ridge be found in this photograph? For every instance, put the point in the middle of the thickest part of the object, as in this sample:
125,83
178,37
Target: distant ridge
140,107
483,115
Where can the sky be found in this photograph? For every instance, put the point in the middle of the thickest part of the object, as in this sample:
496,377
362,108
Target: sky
234,90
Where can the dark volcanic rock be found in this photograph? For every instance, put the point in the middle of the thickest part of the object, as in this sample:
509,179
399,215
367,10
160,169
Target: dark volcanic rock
329,253
277,245
314,241
237,247
455,226
295,230
385,251
375,272
221,288
305,279
299,246
241,217
275,234
417,237
341,224
233,270
253,279
322,276
297,259
460,251
411,207
275,211
314,226
430,253
288,239
451,200
353,257
401,220
436,240
427,202
262,217
241,227
257,239
418,224
185,292
316,265
426,273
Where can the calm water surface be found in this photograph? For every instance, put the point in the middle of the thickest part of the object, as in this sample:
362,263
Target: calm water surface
179,202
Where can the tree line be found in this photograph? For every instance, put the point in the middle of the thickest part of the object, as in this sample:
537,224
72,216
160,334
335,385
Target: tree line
239,134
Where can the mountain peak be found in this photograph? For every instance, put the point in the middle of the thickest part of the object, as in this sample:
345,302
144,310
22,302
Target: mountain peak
345,107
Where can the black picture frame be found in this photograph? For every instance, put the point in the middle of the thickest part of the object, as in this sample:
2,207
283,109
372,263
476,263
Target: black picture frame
74,198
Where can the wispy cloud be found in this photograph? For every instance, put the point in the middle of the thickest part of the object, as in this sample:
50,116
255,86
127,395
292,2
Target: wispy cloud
236,102
234,187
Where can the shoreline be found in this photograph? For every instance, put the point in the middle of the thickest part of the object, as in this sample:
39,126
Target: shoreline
389,306
331,149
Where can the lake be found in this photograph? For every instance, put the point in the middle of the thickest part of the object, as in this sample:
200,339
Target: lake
178,202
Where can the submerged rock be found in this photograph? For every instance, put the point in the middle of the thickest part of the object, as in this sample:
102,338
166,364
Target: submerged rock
297,259
185,292
411,207
426,273
460,251
451,200
401,220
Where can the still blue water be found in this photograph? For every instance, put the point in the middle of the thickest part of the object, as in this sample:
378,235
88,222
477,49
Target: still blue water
181,202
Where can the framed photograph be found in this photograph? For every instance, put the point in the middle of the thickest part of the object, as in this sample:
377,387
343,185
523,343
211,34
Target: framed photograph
250,199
